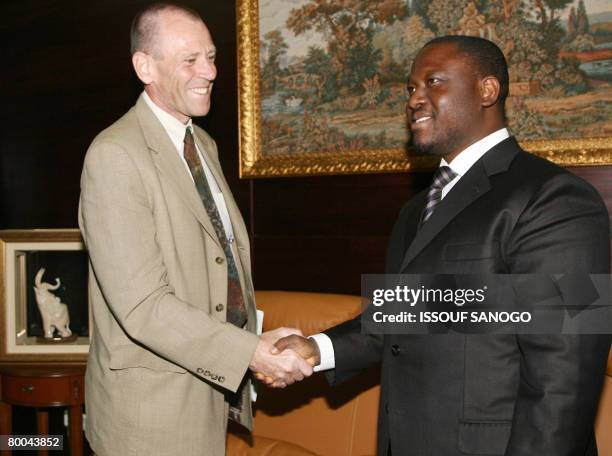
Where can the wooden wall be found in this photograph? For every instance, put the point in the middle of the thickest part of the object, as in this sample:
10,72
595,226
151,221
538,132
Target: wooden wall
67,75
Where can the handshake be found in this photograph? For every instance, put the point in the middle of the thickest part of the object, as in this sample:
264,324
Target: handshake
284,356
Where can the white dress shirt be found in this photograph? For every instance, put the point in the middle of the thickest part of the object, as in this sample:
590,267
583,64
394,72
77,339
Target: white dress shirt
176,131
460,165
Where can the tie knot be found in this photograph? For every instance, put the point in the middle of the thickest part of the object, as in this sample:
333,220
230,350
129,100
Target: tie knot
188,137
442,176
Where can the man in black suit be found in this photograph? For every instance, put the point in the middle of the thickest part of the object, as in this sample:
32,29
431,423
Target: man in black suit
492,209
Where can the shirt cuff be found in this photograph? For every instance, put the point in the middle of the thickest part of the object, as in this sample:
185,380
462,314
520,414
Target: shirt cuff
326,350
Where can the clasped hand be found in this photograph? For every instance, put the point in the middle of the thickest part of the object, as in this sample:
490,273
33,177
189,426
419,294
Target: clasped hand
284,356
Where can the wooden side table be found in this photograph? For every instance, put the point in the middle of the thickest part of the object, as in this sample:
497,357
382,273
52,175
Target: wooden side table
40,387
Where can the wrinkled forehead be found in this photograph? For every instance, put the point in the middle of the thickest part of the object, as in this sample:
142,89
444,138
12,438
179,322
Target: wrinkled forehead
178,26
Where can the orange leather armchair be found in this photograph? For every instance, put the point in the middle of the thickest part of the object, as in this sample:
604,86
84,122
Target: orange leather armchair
603,425
313,419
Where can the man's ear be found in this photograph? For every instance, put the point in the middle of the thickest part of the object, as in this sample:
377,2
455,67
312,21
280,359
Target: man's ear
489,91
143,66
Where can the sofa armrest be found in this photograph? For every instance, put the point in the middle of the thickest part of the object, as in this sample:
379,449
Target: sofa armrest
310,312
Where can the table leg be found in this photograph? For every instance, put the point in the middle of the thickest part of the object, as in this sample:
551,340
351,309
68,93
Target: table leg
42,422
76,430
6,418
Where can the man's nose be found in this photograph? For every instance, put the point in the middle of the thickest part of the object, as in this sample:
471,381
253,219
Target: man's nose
207,69
416,100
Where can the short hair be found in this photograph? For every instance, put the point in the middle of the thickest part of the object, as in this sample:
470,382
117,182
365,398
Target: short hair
145,25
486,58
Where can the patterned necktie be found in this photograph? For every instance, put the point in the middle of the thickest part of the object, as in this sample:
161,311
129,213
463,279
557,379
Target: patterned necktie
442,176
236,310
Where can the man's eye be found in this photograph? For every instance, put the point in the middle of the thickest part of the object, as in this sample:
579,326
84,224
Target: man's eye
190,61
432,81
410,90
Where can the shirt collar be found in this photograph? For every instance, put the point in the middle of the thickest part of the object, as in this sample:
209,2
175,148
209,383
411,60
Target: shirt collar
470,155
174,127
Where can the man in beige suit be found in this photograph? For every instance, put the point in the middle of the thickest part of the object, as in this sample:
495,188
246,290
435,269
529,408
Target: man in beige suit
170,283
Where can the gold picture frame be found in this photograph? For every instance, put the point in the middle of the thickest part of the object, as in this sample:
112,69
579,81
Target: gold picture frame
24,253
255,163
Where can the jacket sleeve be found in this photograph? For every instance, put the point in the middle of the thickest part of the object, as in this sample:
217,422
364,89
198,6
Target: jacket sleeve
353,351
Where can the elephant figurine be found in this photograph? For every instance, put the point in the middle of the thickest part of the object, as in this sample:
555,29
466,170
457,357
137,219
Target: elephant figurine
54,313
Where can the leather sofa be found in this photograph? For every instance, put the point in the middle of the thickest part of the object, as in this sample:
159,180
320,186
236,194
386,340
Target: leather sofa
603,425
311,418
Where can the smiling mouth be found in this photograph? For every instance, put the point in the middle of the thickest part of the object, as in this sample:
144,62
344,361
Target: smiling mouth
421,120
201,90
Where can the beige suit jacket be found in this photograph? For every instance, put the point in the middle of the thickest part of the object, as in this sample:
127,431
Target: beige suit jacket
162,357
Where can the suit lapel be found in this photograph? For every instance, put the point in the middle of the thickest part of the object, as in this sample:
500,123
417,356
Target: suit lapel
238,226
470,187
170,165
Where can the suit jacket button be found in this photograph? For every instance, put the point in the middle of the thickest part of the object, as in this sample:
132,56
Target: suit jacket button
221,379
199,370
219,260
219,307
395,350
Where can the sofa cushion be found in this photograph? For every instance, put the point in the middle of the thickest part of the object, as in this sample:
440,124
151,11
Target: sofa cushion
248,445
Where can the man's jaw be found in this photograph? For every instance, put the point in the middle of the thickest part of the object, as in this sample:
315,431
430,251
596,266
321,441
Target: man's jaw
422,129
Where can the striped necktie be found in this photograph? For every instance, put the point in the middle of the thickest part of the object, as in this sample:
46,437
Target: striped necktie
442,176
236,310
